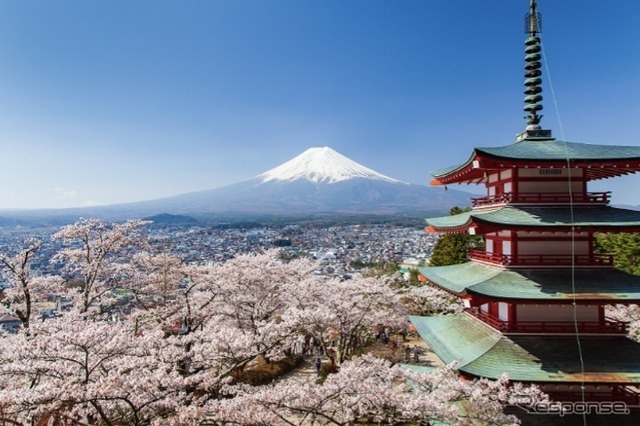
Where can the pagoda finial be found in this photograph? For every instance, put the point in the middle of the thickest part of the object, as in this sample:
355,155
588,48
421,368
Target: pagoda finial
533,26
533,20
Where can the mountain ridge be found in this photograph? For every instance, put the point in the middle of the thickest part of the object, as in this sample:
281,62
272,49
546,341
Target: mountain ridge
318,181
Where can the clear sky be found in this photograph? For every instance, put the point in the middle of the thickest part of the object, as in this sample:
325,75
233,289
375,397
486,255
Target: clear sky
114,101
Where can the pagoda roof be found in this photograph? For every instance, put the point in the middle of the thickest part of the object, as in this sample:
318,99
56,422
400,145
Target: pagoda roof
551,285
481,351
540,218
456,338
601,161
556,150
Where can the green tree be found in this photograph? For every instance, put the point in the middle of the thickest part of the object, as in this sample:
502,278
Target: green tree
414,276
451,249
625,247
380,269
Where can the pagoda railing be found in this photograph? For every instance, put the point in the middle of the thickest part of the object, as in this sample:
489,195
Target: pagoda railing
543,198
532,260
608,326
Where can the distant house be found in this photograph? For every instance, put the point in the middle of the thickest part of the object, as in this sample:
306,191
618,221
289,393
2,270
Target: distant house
328,255
410,263
10,323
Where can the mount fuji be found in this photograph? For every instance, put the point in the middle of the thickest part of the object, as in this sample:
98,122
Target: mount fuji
320,181
322,165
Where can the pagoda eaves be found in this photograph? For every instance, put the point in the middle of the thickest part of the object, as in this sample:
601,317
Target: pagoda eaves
488,283
594,219
599,161
481,351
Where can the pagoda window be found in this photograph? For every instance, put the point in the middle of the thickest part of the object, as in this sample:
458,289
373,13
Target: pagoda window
500,310
489,245
494,178
503,311
498,248
499,186
494,187
506,247
495,242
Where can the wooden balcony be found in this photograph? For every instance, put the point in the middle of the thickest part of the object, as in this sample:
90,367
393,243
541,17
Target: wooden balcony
609,326
546,260
591,198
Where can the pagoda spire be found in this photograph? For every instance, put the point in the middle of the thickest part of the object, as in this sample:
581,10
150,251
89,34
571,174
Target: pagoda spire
532,83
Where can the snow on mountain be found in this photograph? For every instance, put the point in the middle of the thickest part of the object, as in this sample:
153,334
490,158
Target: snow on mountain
318,181
322,165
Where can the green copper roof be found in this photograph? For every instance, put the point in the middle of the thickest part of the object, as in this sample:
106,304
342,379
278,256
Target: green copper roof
453,221
541,217
458,278
550,150
456,338
524,284
557,359
561,150
484,352
418,368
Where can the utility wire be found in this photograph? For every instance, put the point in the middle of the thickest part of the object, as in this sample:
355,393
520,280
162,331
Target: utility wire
573,234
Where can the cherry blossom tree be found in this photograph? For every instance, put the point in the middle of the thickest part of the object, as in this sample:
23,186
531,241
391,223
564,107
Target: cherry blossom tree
154,279
629,314
429,300
25,288
194,331
343,314
93,253
369,390
153,283
78,370
228,316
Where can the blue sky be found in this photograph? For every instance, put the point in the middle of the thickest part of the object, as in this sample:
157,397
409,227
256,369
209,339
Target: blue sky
114,101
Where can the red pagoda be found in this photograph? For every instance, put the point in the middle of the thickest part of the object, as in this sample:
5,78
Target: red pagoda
536,294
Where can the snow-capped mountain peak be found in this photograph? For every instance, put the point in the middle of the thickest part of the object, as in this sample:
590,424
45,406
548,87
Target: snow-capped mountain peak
322,165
